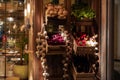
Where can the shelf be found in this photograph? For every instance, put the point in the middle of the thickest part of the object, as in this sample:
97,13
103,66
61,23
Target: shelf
84,23
56,49
56,21
82,75
85,26
12,54
9,53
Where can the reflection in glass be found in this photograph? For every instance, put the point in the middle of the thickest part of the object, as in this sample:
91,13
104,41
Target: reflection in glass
11,20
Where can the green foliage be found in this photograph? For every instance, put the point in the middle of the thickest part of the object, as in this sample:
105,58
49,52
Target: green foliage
22,40
20,44
26,58
82,11
55,1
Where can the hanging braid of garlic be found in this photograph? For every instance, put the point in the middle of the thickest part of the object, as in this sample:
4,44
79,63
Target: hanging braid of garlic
41,52
66,61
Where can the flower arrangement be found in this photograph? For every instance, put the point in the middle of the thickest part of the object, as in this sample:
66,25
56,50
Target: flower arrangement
85,60
85,40
56,39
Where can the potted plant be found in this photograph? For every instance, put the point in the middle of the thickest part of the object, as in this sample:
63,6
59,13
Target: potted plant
21,66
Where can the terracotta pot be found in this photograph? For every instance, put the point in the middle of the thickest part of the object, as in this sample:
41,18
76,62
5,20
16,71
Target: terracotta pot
21,71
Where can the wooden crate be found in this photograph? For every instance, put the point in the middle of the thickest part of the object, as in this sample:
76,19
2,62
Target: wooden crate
55,49
55,66
83,49
82,75
55,20
84,23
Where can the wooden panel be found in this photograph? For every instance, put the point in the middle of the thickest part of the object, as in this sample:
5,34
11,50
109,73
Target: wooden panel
83,49
82,75
56,49
38,21
55,66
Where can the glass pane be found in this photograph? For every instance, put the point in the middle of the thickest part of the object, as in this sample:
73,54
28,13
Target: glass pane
11,21
116,40
2,65
2,8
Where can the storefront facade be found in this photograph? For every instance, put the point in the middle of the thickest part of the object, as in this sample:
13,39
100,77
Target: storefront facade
61,41
105,20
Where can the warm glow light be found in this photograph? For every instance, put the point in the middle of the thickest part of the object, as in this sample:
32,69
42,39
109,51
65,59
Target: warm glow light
14,26
62,34
96,48
45,32
91,43
10,19
65,38
9,31
0,5
1,22
28,8
31,76
25,12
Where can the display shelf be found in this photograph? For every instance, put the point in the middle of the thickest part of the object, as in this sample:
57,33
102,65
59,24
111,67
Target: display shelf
11,54
84,23
52,26
54,20
56,69
56,49
85,61
11,19
85,26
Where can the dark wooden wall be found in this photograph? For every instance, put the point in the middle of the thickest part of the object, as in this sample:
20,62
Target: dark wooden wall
37,23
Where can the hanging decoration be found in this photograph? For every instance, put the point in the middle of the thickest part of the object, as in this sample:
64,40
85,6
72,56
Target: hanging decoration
67,57
41,47
41,53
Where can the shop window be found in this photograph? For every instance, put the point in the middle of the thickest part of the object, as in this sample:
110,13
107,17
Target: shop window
13,35
68,40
